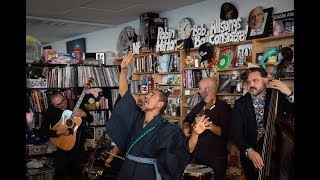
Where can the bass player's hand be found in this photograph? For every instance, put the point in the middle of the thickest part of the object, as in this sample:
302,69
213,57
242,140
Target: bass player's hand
256,159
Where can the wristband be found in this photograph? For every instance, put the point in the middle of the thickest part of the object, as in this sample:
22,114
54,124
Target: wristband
248,151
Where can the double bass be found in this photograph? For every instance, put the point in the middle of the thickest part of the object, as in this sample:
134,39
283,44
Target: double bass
277,145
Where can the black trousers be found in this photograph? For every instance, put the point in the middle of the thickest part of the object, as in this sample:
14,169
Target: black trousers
68,163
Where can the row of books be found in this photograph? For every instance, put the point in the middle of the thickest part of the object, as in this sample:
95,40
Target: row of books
60,77
156,64
99,118
114,96
167,63
143,64
191,78
38,100
103,76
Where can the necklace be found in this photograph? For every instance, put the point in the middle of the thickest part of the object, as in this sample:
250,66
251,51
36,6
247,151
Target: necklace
207,106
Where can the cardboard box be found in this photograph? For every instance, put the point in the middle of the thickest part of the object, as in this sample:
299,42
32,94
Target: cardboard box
32,149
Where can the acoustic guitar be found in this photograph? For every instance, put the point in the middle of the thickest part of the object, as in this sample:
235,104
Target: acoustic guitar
71,122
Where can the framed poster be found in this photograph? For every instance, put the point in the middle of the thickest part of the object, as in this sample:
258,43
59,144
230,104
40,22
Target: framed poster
283,23
77,43
258,22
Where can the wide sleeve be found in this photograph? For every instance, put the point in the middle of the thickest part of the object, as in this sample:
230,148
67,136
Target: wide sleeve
174,153
123,116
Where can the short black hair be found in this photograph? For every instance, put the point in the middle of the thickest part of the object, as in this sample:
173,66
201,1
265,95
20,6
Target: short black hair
244,75
53,94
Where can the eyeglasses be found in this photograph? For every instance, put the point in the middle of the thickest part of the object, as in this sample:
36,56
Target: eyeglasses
63,100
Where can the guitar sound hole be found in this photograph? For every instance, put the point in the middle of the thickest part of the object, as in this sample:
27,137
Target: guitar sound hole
69,123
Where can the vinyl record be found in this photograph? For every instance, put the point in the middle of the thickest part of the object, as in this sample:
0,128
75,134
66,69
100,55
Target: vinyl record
224,62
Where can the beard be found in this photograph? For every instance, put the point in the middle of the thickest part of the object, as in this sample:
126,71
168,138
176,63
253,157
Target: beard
255,92
144,107
203,95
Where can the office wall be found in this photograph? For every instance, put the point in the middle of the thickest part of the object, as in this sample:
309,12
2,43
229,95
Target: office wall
201,13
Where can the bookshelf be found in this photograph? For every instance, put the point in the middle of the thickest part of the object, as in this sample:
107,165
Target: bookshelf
186,86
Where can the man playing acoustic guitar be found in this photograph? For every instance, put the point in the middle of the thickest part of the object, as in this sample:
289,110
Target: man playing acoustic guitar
67,161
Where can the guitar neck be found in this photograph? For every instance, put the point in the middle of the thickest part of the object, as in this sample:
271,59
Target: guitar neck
76,107
87,86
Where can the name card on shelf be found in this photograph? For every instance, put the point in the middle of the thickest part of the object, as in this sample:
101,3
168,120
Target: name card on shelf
37,83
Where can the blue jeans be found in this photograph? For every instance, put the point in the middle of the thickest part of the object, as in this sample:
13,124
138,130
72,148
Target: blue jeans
219,167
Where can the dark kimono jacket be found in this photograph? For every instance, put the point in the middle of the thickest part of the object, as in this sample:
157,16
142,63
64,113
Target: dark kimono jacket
167,142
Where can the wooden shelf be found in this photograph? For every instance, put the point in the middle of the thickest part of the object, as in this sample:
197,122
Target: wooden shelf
143,54
274,63
235,43
168,84
232,69
272,38
167,52
173,96
258,46
166,73
140,73
195,68
193,89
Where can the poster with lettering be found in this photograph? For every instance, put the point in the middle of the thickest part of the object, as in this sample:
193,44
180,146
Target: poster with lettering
283,23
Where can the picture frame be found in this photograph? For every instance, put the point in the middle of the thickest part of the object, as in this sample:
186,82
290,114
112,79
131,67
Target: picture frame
264,31
77,43
96,55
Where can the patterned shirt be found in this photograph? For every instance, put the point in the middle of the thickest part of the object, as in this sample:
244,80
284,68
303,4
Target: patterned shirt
258,104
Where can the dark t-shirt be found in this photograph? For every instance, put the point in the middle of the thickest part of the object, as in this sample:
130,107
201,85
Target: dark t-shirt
211,146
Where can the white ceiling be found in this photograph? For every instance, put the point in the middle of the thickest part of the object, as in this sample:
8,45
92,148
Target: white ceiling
51,21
